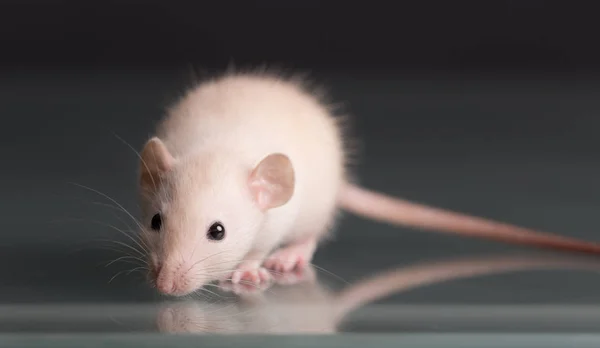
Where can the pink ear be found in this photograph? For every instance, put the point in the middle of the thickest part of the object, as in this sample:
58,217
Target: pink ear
155,160
272,181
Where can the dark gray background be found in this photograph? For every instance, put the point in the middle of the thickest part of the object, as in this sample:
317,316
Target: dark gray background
490,108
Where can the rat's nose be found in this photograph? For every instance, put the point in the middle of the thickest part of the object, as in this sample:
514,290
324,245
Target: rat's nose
165,285
165,282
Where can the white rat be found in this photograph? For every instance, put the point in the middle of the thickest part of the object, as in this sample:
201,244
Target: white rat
247,173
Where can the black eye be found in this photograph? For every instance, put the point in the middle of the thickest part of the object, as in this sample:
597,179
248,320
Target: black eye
156,222
216,231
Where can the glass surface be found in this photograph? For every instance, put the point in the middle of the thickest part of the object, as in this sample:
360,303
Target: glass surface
470,146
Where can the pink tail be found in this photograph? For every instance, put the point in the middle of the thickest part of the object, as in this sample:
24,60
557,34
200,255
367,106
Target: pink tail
387,209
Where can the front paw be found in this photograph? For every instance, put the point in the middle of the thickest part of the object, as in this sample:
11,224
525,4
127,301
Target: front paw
249,275
289,259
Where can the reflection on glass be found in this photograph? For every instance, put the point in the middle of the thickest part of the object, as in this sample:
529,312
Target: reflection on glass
310,307
309,303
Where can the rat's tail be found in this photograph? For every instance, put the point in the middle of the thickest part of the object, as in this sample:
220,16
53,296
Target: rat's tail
392,210
393,281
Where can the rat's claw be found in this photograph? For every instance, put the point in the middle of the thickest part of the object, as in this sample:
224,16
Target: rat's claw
251,274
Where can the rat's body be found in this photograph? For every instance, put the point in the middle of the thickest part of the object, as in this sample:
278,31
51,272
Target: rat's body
247,172
241,120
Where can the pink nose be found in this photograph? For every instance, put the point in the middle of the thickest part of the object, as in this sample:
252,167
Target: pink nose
164,281
165,285
170,281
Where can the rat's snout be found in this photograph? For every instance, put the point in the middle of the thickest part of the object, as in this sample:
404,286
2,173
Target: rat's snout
173,280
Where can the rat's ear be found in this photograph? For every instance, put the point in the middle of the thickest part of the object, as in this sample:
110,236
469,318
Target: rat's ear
155,160
272,181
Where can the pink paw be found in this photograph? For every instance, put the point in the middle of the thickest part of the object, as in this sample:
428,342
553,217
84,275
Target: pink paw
256,276
250,275
286,260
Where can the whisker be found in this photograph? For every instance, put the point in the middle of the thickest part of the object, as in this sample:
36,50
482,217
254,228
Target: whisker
206,258
125,257
134,263
110,199
128,247
142,247
192,296
231,261
214,271
120,231
139,156
116,275
129,271
81,200
129,229
210,292
137,240
193,253
102,247
107,205
138,268
216,286
319,268
241,282
113,207
108,240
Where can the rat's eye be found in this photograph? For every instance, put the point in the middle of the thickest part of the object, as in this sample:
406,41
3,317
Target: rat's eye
216,231
156,222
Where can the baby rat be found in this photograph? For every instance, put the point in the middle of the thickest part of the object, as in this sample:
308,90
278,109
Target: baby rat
246,174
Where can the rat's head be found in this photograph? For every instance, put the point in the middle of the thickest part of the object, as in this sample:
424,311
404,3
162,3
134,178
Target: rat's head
201,214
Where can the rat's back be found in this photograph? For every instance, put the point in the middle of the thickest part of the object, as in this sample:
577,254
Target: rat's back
247,110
